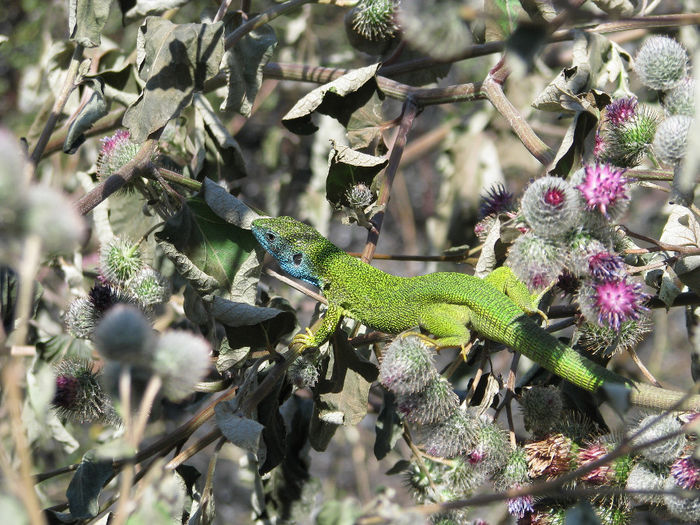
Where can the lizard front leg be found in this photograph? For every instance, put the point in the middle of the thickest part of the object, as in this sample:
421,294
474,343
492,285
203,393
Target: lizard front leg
309,339
505,281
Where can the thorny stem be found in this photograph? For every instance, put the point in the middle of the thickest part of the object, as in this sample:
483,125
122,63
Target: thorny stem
66,90
410,110
419,460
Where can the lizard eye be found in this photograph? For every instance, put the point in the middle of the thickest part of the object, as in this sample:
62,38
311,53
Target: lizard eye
297,259
270,236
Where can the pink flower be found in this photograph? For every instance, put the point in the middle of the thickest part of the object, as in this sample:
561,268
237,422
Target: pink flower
603,186
686,473
617,301
620,111
605,265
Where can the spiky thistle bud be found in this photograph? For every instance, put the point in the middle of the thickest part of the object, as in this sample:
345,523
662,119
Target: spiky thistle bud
620,111
671,140
125,335
79,396
450,437
370,26
542,407
551,207
434,403
613,515
550,457
535,261
606,473
120,260
603,188
686,472
407,365
81,318
646,476
103,297
496,200
513,472
149,287
491,449
661,63
50,215
685,507
662,433
359,196
181,360
612,302
626,134
681,99
607,341
462,478
116,151
303,372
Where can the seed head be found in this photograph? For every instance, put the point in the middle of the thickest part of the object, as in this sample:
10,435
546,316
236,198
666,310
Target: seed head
462,478
407,365
681,99
303,372
513,472
671,140
550,457
359,196
603,339
551,207
374,19
491,450
81,318
149,287
181,360
611,303
116,151
603,473
450,437
661,63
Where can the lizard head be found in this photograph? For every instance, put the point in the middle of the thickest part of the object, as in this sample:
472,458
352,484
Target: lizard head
300,250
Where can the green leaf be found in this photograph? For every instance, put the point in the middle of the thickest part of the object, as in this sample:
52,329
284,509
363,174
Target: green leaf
243,65
86,485
86,19
174,60
501,17
95,108
346,168
338,99
206,250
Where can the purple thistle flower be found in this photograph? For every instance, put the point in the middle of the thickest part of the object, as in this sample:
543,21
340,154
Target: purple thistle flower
109,144
66,391
606,265
603,186
686,473
599,475
612,302
520,506
496,200
620,111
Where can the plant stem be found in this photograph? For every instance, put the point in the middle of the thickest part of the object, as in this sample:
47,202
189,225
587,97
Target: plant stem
410,110
66,90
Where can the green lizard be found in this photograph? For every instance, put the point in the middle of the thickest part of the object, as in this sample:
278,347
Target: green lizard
445,304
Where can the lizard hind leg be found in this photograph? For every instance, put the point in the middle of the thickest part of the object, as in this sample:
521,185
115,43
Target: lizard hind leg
447,323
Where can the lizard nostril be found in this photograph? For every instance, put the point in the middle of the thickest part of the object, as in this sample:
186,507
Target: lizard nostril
297,259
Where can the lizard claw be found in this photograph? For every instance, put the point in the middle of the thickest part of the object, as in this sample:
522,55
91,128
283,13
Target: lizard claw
306,339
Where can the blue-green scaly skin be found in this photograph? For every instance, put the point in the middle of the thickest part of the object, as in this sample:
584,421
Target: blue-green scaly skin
445,304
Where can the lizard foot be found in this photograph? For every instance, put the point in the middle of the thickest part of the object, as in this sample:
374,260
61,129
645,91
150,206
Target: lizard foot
306,339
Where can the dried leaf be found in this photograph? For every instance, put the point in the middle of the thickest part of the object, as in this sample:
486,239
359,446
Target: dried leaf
86,19
95,108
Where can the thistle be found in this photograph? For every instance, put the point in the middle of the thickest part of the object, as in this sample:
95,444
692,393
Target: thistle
181,360
116,151
611,302
661,63
595,338
550,457
671,140
685,472
491,449
432,404
450,437
359,196
627,133
149,287
535,261
407,365
603,188
496,200
665,428
646,476
374,19
550,206
120,260
79,396
542,407
125,335
681,99
303,372
683,507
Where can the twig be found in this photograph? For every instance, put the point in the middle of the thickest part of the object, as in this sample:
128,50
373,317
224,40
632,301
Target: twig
296,285
510,392
643,368
66,90
410,110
